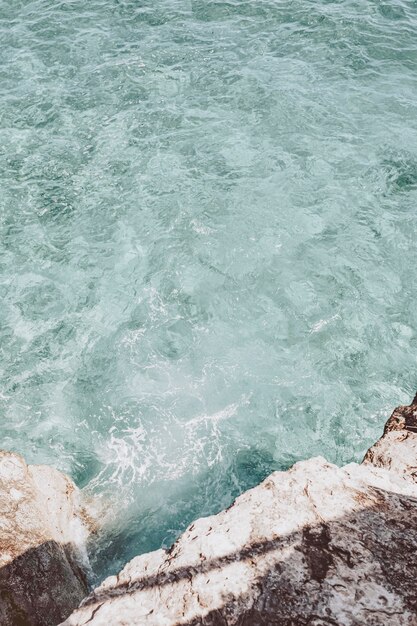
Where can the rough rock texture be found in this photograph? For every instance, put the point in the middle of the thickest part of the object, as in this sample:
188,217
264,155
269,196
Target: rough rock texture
42,556
397,449
316,545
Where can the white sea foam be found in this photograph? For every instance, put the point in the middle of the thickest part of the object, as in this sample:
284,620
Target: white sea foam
208,243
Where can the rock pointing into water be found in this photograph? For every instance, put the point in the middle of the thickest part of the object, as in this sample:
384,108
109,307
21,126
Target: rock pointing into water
43,561
316,545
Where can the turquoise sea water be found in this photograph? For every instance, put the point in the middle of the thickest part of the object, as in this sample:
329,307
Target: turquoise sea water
208,252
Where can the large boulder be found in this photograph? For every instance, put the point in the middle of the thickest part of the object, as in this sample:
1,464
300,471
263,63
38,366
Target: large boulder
43,562
316,545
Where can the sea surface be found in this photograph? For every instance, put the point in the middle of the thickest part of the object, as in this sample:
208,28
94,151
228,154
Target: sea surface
208,253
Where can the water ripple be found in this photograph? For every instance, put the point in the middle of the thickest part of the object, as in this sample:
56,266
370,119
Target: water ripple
207,257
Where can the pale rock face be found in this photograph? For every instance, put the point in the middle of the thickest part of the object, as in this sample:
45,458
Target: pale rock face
397,449
316,545
43,561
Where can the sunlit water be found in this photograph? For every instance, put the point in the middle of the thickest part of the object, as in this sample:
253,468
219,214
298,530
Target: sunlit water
208,244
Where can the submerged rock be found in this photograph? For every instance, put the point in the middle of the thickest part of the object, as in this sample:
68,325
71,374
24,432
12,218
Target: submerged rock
316,545
43,562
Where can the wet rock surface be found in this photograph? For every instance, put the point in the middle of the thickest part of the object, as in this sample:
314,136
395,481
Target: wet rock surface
43,563
316,545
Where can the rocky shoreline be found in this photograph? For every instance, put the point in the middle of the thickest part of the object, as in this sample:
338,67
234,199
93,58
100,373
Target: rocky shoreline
43,531
317,545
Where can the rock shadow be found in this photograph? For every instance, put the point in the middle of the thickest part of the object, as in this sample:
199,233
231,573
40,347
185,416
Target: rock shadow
42,586
367,558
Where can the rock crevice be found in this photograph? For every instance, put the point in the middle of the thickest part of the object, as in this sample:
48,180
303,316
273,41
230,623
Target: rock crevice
316,545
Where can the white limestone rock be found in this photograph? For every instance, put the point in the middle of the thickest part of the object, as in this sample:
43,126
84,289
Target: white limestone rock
43,560
316,545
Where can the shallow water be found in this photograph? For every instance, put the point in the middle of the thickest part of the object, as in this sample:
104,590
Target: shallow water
208,244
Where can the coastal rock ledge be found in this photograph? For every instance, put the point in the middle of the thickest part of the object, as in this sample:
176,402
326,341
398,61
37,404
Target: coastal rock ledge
317,545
